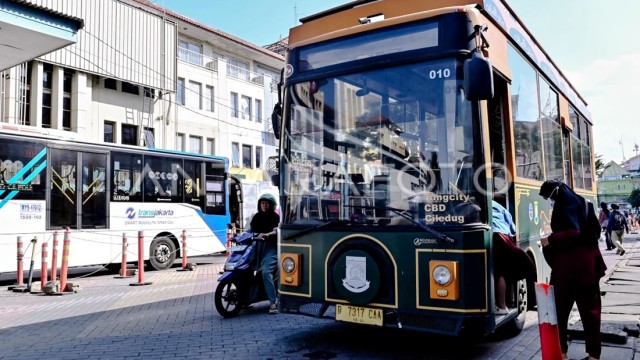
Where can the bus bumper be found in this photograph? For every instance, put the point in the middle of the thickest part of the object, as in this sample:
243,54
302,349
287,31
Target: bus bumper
451,324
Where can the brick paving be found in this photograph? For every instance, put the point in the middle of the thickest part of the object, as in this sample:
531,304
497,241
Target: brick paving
175,318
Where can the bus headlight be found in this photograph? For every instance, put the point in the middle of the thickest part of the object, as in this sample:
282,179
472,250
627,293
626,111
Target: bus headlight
288,265
444,280
441,275
290,269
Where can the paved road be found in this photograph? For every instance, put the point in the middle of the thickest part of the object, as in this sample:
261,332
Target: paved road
174,317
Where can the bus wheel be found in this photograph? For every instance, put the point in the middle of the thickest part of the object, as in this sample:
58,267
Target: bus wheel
227,299
113,267
162,253
515,325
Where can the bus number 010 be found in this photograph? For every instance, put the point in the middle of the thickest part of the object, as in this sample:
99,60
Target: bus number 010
439,74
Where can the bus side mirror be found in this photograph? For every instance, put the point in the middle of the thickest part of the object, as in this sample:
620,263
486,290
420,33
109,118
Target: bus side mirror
276,120
478,77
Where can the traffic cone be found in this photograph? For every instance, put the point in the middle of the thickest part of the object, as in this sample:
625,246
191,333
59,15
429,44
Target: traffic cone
548,322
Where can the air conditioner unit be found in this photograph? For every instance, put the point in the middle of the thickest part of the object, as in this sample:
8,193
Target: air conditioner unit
258,79
213,65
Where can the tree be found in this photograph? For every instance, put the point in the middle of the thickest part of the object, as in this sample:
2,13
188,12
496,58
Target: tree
634,198
600,165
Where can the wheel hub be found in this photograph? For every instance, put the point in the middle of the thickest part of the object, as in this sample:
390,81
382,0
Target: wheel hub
162,253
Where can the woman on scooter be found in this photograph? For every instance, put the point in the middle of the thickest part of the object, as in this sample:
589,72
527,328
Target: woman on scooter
264,222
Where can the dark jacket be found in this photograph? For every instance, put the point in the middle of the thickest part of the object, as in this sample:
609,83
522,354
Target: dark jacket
568,210
572,257
265,222
582,265
612,221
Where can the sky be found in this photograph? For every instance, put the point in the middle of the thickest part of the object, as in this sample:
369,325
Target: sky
593,42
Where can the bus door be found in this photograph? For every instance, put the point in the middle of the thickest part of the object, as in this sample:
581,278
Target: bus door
78,194
236,203
501,176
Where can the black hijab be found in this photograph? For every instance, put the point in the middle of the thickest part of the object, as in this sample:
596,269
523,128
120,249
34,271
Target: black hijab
569,207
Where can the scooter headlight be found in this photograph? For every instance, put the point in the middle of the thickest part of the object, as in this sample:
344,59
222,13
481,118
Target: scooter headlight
230,265
288,265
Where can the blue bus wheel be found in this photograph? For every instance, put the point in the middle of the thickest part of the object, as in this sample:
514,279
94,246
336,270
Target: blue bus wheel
162,253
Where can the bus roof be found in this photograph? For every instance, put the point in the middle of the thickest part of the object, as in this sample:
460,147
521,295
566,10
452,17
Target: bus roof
73,137
348,18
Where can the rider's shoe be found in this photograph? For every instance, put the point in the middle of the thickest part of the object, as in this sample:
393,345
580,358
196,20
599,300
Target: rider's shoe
273,309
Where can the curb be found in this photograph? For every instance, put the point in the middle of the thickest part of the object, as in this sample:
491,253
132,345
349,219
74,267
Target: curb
612,332
620,337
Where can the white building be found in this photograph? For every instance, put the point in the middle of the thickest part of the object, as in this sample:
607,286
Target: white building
143,75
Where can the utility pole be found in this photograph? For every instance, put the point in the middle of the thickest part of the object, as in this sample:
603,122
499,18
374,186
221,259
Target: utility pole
622,146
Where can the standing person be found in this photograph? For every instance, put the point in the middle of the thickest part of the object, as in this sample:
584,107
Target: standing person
617,225
576,264
603,218
265,222
511,262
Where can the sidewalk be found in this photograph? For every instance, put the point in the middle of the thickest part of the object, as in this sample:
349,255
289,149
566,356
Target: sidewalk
620,289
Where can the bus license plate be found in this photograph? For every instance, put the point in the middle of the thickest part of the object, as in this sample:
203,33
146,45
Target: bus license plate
359,315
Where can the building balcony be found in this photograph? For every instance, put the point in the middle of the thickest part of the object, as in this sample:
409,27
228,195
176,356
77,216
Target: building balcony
235,72
244,74
197,59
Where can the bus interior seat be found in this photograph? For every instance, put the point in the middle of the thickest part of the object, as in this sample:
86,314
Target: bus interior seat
331,209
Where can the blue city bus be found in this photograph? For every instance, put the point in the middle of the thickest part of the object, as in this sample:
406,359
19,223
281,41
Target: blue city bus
50,182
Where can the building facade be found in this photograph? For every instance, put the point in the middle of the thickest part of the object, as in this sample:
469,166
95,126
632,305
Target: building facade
615,185
140,74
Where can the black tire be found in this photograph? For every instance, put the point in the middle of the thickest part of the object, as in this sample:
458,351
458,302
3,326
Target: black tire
227,299
515,325
162,253
113,267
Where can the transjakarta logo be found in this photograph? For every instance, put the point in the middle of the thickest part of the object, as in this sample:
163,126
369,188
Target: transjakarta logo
131,213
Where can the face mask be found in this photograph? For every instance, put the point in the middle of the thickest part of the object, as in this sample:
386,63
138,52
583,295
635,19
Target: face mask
552,202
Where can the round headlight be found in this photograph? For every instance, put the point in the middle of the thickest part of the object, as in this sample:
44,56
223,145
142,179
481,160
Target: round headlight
441,275
288,265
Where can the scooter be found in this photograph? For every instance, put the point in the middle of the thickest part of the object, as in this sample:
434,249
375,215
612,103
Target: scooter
241,283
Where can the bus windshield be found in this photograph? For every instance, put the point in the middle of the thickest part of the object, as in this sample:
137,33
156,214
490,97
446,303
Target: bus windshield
390,146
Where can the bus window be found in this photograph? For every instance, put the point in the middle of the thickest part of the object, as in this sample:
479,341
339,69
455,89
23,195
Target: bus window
214,187
14,156
94,196
63,192
192,183
127,175
163,179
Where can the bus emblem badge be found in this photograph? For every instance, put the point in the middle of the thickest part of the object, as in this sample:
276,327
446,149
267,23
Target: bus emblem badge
131,213
356,274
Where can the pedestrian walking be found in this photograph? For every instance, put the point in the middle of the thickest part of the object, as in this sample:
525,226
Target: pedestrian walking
617,225
576,263
603,218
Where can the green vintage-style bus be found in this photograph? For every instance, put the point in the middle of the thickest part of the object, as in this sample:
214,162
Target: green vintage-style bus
400,121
